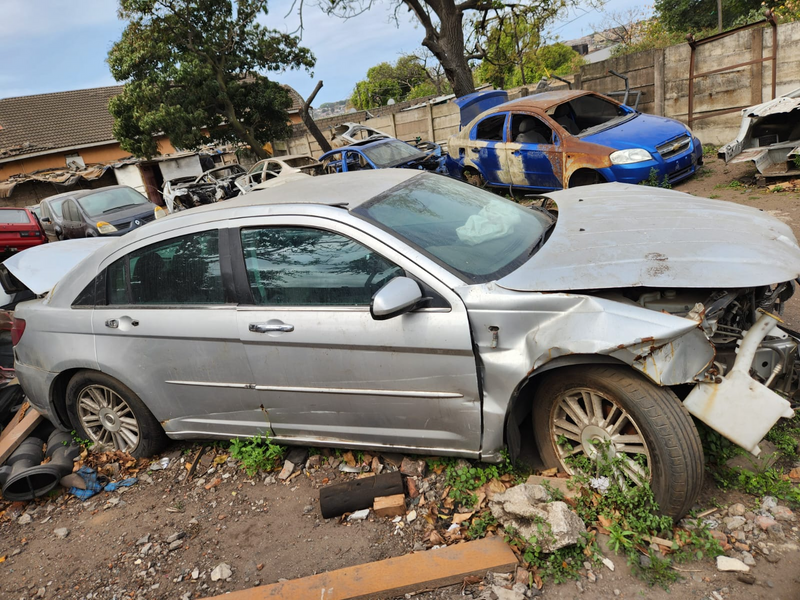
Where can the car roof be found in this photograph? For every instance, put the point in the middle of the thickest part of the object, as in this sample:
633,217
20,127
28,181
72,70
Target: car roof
82,193
542,102
346,190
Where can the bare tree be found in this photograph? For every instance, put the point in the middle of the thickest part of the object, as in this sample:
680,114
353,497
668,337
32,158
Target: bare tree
624,26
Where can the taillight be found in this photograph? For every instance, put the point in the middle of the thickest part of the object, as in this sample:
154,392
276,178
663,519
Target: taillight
17,329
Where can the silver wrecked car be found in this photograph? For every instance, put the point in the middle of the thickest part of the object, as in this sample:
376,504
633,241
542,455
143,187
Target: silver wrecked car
402,310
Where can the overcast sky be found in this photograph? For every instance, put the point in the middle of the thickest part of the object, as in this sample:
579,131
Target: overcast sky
57,45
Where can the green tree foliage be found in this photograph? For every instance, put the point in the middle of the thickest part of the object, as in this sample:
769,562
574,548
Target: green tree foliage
695,15
556,59
190,65
456,32
385,81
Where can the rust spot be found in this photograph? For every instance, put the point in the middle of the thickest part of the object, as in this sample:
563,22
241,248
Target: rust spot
648,339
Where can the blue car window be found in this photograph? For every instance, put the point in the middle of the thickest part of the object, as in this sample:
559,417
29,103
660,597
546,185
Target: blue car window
490,129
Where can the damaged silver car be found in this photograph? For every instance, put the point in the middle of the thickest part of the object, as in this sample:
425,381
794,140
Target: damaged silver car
769,136
406,311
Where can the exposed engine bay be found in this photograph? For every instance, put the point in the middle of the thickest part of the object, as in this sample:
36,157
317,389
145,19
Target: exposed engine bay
726,316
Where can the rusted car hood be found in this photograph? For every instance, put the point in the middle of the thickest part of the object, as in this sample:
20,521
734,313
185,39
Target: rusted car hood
616,236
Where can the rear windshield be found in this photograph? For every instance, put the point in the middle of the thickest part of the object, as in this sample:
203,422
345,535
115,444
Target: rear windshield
13,217
393,152
110,201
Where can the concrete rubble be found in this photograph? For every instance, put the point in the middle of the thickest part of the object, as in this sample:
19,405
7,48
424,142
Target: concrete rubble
529,509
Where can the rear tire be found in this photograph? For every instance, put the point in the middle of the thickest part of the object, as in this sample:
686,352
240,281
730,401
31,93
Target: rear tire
636,417
105,411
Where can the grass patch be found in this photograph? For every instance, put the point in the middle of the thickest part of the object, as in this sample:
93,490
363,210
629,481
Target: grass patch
709,150
257,454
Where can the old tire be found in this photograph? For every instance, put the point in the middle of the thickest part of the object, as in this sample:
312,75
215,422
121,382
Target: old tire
638,417
103,410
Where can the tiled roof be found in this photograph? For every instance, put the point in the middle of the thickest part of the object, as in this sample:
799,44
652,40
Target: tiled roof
32,124
297,99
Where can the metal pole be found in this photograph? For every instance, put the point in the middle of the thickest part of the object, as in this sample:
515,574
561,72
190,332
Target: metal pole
719,16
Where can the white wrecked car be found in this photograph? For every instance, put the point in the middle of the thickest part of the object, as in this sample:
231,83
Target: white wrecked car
406,311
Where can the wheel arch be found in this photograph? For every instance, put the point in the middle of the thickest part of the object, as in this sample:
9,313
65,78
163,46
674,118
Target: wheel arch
585,176
521,403
58,395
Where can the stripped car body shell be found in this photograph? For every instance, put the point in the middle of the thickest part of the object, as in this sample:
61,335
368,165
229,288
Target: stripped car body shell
570,159
769,136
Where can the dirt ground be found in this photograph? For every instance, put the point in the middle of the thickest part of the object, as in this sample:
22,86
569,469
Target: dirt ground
162,537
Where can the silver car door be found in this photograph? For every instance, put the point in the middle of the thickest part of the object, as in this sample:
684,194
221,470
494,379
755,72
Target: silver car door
168,331
325,371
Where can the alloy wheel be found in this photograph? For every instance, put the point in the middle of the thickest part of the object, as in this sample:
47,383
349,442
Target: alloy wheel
107,418
585,422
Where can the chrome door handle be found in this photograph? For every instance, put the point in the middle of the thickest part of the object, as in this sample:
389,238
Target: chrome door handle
265,328
112,323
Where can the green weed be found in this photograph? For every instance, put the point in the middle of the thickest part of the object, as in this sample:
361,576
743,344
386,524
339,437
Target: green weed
709,150
257,454
653,181
86,444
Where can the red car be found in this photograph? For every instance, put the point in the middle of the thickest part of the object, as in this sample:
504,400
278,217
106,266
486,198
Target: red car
19,229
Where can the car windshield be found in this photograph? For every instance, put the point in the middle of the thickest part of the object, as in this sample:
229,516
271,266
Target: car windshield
470,231
390,153
11,216
111,200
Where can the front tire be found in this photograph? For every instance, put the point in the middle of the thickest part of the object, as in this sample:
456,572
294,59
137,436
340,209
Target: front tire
637,421
105,411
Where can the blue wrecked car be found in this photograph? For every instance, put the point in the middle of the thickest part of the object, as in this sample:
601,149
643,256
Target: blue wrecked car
563,139
387,153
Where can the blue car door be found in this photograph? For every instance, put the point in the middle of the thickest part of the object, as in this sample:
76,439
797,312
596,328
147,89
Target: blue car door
534,153
486,152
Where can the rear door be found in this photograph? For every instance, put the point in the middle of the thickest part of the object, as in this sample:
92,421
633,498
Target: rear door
534,154
71,223
168,331
486,149
324,370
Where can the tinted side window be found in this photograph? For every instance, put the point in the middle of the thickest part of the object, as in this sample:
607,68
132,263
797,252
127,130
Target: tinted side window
183,270
69,211
491,128
308,267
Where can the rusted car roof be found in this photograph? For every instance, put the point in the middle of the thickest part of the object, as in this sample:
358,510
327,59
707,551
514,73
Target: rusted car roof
542,101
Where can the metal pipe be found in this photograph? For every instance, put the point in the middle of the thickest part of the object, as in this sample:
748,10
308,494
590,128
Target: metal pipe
752,340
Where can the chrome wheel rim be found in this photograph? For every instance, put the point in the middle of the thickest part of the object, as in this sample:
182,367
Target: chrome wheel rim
586,422
107,418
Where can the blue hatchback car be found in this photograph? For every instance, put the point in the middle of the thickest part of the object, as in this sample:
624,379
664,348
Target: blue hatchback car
562,139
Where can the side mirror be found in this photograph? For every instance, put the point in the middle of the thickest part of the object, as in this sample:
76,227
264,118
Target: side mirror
399,296
45,219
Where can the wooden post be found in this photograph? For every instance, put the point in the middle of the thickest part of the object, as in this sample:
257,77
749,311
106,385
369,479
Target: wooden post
659,82
430,122
394,125
756,70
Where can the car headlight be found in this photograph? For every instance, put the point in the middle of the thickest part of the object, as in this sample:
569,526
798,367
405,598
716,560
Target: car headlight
626,157
104,227
159,212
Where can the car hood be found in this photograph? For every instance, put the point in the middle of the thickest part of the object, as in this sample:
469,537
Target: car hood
41,267
617,236
127,215
643,131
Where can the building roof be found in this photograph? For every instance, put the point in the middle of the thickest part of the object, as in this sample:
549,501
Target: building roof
297,99
48,122
63,120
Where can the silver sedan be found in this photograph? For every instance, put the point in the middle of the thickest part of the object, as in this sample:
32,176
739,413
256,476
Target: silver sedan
401,310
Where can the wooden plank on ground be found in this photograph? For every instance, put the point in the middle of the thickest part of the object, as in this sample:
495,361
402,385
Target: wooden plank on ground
18,429
393,577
